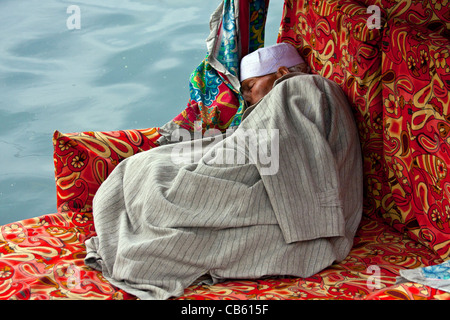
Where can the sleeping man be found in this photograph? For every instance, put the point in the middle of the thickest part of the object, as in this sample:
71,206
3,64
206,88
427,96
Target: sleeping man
161,224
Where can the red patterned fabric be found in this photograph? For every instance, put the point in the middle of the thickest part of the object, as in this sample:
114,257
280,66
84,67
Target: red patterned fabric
432,14
416,101
334,39
397,80
43,258
84,160
378,254
408,291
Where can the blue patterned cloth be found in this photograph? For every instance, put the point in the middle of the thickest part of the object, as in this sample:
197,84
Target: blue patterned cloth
215,99
436,276
257,23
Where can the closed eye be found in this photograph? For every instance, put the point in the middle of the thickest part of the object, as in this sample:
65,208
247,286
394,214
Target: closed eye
250,85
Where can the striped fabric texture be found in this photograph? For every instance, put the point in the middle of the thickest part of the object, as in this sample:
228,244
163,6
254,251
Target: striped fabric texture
161,224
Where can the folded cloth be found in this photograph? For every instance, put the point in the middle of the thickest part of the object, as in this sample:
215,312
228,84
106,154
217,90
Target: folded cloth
436,276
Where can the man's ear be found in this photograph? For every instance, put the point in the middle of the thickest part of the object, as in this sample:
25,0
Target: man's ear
282,71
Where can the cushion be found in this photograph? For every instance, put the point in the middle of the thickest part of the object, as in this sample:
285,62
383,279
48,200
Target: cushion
408,291
433,14
416,103
84,160
334,39
43,258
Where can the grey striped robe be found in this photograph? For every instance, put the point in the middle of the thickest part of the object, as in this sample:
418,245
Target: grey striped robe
162,223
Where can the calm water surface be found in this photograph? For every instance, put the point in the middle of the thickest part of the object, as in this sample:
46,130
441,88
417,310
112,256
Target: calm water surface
127,67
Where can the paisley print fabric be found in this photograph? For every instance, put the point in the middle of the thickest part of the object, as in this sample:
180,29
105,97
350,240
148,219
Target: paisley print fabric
416,83
84,160
43,258
333,37
408,291
396,78
378,254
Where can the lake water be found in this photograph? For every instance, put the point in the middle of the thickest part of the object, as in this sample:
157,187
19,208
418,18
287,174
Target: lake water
126,67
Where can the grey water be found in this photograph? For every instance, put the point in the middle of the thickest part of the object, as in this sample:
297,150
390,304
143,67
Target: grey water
124,64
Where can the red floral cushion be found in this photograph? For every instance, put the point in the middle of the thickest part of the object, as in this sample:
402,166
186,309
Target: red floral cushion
408,291
377,256
433,14
43,258
396,79
84,160
336,42
416,101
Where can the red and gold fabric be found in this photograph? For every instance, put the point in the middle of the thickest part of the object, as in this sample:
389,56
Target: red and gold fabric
43,258
334,39
416,102
397,79
83,160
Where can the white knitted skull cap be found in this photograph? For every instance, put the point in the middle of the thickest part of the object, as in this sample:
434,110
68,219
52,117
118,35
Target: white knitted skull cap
267,60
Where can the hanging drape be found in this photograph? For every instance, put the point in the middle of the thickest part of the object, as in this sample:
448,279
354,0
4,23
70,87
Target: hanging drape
236,28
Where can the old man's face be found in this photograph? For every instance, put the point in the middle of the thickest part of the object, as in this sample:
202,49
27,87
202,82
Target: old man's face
254,89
